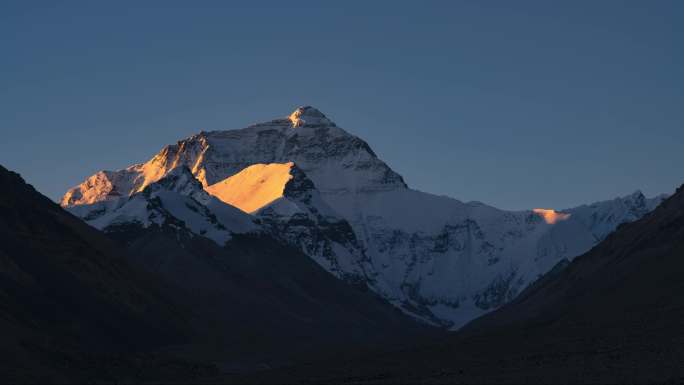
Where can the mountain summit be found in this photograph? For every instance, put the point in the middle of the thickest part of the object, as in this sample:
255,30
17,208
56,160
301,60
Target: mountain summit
309,116
437,258
334,159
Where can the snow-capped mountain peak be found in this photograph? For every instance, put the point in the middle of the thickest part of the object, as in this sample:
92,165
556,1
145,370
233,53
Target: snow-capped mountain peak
336,161
309,116
314,185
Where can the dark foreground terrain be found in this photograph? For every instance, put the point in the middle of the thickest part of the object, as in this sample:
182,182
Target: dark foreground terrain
159,305
70,307
613,315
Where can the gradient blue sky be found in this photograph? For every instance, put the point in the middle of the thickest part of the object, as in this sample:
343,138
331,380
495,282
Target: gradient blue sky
517,104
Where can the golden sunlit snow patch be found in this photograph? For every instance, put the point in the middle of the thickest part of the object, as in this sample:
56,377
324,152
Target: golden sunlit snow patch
254,187
551,216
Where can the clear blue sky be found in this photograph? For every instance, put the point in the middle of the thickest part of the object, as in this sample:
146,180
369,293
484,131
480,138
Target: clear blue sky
516,104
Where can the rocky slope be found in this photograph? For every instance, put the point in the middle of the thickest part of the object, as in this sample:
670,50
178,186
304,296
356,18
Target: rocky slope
437,258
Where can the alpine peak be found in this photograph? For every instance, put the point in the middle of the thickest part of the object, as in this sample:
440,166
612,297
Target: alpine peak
311,184
309,116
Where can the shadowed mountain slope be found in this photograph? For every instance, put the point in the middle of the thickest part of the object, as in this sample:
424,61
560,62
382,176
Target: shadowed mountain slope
144,303
260,303
613,315
66,291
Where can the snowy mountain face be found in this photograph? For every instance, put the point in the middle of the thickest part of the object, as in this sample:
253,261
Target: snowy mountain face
310,183
289,207
334,159
602,217
177,200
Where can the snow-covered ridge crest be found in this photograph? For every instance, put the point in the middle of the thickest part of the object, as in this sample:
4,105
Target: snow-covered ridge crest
551,216
111,185
604,216
177,200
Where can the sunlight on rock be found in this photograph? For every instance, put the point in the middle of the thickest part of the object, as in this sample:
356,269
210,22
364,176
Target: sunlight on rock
551,216
308,115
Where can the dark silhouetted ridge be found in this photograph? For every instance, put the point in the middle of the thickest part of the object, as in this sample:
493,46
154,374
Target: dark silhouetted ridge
66,295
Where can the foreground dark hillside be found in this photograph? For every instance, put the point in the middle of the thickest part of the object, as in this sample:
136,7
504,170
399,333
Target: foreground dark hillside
162,304
614,315
260,304
69,303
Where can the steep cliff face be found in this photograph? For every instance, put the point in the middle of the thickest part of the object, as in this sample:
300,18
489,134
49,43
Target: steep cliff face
325,190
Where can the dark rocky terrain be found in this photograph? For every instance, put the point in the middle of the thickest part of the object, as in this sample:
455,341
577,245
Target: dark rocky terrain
258,303
162,304
71,308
